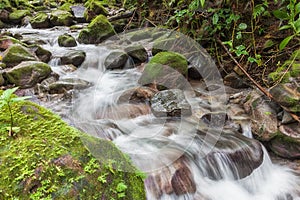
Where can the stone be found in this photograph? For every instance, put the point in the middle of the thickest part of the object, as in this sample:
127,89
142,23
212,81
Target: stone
40,20
66,40
93,9
63,85
15,54
28,73
97,31
78,13
171,103
17,16
7,41
173,60
119,25
138,53
116,60
75,58
1,80
287,95
61,18
43,54
4,15
137,95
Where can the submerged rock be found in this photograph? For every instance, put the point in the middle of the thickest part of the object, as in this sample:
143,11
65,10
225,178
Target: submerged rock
116,60
97,31
15,54
28,73
75,58
66,40
40,20
171,103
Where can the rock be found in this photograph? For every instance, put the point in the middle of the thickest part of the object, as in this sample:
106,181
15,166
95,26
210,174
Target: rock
173,60
78,13
63,85
15,54
119,25
17,16
94,8
4,15
138,53
170,103
75,58
287,95
97,31
234,81
43,54
7,41
43,87
139,35
66,40
287,142
163,44
137,95
2,25
40,20
194,73
1,79
264,123
116,60
28,73
61,18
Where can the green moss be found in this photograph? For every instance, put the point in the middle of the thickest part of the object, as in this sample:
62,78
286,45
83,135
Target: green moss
94,8
66,40
17,15
61,18
15,54
66,6
48,160
172,59
39,19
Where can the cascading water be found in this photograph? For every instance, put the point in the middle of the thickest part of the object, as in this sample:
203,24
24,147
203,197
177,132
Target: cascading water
185,157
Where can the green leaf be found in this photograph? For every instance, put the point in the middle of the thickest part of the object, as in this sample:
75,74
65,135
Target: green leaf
251,59
297,8
282,15
215,18
285,27
284,42
6,95
202,2
242,26
17,99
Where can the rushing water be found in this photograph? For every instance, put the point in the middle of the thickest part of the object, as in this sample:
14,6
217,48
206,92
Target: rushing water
185,158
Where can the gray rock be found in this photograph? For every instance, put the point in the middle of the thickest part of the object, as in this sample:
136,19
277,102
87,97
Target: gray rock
61,18
116,60
75,58
138,53
43,54
40,20
170,103
66,40
78,13
63,85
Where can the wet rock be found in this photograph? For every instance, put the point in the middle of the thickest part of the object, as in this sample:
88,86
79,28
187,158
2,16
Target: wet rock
94,8
287,142
264,123
28,73
15,54
173,60
63,85
170,103
66,40
1,79
78,13
43,87
40,20
7,41
234,81
4,15
137,95
75,58
97,31
43,54
116,60
287,95
61,18
17,16
138,53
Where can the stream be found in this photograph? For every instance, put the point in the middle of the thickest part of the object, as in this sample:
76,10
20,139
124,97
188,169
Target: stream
201,156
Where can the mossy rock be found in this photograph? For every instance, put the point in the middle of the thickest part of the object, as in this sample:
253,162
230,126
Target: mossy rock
93,9
66,6
61,18
47,159
173,60
40,20
1,79
97,31
43,54
17,15
66,40
138,53
6,41
15,54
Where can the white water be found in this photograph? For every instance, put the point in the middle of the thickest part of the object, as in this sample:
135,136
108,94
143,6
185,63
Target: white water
161,146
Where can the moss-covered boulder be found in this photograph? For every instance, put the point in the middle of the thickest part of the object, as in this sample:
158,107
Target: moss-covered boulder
61,18
66,40
17,16
75,58
94,8
173,60
40,20
7,41
97,31
15,54
48,159
28,73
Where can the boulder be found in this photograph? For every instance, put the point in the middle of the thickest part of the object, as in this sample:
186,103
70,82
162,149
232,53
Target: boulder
97,31
63,85
28,73
17,16
173,60
94,8
43,54
4,15
15,54
138,53
7,41
75,58
66,40
40,20
171,103
116,60
78,13
61,18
